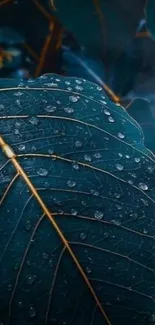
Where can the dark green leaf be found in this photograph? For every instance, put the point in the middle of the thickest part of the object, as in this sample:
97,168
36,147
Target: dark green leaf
142,112
86,159
101,26
150,14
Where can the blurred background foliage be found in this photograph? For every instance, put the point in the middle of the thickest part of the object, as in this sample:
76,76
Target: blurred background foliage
109,42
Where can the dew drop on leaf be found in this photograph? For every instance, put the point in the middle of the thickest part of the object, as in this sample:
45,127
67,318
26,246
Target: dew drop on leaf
83,235
137,160
117,195
50,108
71,183
87,158
143,186
73,98
120,154
31,279
42,172
28,225
88,270
32,312
79,88
98,215
78,144
120,135
45,256
97,155
111,119
69,110
18,93
21,147
34,120
119,166
50,263
106,112
76,166
145,202
73,212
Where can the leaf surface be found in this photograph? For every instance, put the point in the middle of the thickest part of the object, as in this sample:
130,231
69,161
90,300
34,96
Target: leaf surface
79,160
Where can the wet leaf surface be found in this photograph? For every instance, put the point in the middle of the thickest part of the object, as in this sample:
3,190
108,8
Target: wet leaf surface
86,160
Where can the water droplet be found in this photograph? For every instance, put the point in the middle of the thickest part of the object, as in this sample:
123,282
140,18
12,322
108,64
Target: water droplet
76,166
119,167
50,108
137,160
71,183
83,235
78,81
28,225
67,82
143,186
145,202
34,120
45,256
145,231
87,158
69,110
106,112
103,102
50,263
151,169
120,154
50,151
99,88
73,98
127,156
73,212
21,147
119,207
111,119
117,195
51,84
116,222
32,312
79,88
42,172
97,155
16,131
134,216
98,215
9,287
130,181
88,270
31,279
18,93
120,135
78,144
94,192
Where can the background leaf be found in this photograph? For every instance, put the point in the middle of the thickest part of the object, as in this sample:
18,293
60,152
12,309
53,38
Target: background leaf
86,158
111,24
150,12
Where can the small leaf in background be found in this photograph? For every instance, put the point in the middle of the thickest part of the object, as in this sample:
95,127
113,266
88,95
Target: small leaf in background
150,14
81,176
142,111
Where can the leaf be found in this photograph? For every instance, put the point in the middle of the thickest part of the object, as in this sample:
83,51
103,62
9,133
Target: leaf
111,24
141,110
77,207
149,13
